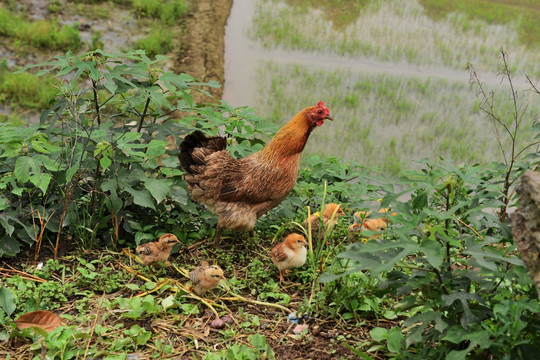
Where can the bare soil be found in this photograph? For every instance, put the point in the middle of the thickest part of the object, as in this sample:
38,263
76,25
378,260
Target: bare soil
202,47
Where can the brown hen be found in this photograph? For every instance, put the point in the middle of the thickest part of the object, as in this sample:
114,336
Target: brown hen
239,191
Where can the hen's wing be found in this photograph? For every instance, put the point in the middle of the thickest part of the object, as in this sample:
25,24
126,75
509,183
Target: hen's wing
278,253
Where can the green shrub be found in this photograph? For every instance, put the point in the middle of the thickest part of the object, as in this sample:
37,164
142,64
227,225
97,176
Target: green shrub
25,90
159,41
168,11
45,34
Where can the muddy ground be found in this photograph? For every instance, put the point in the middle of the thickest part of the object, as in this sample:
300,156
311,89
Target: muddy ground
202,47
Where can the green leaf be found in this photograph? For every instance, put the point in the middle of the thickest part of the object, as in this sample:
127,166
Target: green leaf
105,162
468,317
178,194
4,204
379,334
143,198
395,338
168,302
7,300
23,165
71,171
156,148
434,252
159,188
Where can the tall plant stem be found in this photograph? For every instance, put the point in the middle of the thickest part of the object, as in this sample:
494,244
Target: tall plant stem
96,102
141,122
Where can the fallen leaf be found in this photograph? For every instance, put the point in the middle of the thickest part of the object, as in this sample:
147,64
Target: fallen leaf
46,320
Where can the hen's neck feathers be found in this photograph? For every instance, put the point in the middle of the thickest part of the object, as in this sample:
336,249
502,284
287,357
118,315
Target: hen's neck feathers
291,138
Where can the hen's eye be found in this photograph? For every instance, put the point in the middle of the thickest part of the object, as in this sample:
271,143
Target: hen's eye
319,112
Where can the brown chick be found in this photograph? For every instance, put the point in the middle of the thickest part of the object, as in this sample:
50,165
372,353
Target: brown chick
153,252
205,277
329,222
239,191
291,253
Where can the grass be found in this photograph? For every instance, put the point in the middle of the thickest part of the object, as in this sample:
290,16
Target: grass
391,30
385,121
118,301
45,34
158,41
25,90
167,11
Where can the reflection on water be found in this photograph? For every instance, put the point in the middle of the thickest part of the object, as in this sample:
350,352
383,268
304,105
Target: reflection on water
341,13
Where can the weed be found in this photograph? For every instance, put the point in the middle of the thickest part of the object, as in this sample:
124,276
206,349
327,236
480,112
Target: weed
158,41
169,11
45,34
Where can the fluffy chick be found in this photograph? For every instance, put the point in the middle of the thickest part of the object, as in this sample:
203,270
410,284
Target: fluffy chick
329,222
153,252
205,277
289,254
365,223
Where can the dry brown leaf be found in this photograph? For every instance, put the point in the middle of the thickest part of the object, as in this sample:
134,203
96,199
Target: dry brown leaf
46,320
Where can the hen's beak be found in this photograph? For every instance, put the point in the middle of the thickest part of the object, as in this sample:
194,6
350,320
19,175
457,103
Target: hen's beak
328,117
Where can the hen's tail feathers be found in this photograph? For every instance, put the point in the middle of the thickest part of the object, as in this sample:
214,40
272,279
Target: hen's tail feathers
196,147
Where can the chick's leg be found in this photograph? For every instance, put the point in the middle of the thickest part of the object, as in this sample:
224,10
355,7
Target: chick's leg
281,277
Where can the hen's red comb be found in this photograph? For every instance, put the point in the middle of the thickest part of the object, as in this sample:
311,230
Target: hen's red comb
320,103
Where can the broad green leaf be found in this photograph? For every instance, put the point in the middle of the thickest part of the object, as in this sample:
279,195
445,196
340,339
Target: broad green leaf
168,302
463,297
71,171
395,338
105,162
7,300
159,188
4,204
434,252
8,246
178,194
156,148
23,165
143,198
378,334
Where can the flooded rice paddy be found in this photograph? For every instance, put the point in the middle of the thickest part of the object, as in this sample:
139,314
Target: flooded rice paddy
394,79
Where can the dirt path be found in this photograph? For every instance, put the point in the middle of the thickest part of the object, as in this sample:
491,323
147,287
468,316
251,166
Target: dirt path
202,48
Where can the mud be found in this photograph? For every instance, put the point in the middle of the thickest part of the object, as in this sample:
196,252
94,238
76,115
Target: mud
202,47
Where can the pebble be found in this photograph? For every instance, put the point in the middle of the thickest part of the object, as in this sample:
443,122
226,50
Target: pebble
299,328
217,324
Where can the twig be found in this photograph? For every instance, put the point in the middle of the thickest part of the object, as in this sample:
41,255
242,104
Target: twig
93,327
25,275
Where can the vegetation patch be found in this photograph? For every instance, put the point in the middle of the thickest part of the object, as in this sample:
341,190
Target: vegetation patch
24,89
441,279
158,41
46,34
168,11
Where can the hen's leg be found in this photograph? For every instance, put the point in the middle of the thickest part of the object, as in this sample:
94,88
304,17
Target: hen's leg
217,237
